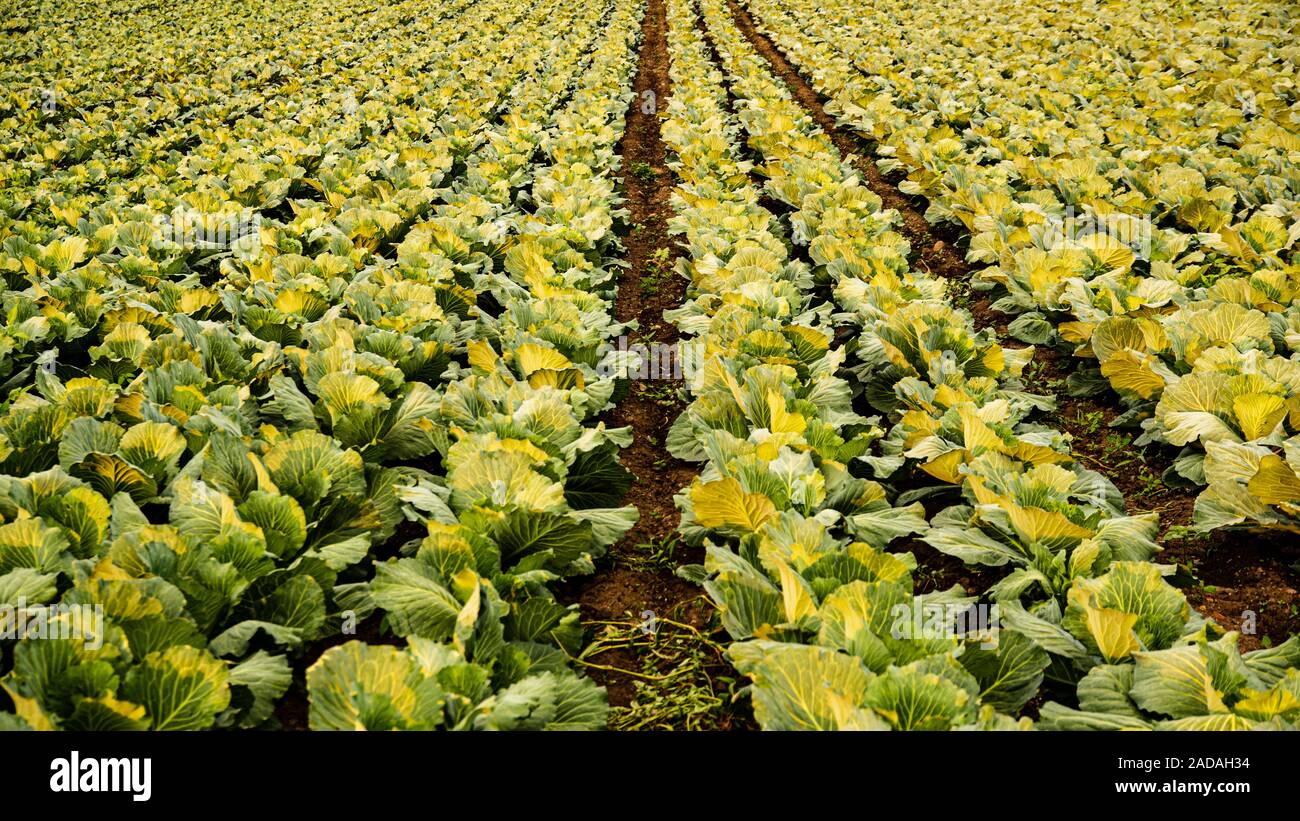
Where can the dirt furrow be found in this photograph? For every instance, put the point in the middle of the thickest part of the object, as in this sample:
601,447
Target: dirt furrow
646,624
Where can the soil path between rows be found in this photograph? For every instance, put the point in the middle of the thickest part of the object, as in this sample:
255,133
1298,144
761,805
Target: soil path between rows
636,582
1225,576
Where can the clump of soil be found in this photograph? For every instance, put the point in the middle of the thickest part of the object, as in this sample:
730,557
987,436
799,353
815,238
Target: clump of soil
1244,581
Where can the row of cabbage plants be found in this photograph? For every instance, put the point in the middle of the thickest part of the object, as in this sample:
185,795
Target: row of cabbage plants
795,541
534,492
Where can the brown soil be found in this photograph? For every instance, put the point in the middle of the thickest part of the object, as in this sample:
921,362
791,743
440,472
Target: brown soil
647,287
1223,574
936,571
982,313
1228,576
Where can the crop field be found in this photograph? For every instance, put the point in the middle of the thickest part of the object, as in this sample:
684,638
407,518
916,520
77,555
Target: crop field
649,365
